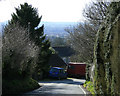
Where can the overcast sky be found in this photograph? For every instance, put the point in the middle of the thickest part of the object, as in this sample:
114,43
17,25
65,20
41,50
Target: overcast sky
51,10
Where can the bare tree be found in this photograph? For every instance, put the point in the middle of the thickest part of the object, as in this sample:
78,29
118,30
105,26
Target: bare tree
18,50
81,38
96,12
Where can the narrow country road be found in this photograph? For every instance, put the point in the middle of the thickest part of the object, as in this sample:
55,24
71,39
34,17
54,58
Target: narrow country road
59,88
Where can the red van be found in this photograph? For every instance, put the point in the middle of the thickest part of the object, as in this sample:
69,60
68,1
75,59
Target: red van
76,69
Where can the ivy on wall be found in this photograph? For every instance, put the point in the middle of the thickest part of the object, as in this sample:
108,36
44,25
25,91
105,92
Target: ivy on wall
106,53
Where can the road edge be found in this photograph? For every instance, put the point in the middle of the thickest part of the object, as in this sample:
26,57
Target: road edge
82,89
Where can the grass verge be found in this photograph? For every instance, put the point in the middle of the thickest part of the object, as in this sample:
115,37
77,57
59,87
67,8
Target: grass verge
19,86
89,86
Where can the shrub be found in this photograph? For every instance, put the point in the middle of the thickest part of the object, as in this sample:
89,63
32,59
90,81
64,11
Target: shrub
19,53
17,86
89,86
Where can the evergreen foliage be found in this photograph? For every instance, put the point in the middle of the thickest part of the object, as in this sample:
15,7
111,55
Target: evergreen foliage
27,16
25,50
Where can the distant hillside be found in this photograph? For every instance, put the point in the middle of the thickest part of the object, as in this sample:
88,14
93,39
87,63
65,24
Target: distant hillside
56,28
51,28
2,24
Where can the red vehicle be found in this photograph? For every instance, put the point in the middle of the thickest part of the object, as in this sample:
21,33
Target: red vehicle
76,69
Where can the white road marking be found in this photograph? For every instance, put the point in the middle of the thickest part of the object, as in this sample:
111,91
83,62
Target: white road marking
82,89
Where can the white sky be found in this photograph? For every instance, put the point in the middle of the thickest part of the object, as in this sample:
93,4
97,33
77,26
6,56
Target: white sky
51,10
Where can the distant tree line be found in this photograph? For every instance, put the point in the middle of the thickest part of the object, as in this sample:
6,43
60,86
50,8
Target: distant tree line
57,41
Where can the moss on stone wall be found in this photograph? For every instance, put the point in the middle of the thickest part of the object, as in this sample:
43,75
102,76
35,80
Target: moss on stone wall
107,54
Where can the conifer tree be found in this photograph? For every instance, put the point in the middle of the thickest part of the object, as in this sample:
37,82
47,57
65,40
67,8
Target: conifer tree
27,16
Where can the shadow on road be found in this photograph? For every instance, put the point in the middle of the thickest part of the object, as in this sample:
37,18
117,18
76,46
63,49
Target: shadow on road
66,81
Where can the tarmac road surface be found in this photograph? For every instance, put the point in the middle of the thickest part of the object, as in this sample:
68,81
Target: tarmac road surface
66,87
